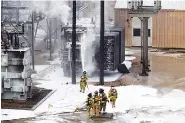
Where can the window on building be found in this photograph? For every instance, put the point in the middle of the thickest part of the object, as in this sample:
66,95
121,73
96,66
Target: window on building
136,32
148,32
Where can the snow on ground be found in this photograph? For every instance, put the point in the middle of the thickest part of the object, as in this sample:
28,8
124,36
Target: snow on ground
141,103
127,58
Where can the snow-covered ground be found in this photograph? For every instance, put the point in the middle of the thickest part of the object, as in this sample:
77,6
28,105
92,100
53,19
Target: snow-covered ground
137,103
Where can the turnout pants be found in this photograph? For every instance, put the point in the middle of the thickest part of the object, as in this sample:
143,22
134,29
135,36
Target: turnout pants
102,107
96,111
89,110
113,101
82,89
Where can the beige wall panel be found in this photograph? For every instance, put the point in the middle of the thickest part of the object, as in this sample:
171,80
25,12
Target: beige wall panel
121,16
169,29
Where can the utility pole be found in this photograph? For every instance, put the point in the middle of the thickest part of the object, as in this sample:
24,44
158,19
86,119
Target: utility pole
33,42
74,45
102,43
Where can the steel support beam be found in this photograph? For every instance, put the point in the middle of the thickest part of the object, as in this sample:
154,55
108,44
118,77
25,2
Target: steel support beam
102,43
144,37
74,45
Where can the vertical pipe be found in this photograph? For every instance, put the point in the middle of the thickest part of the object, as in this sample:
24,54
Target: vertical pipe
74,45
33,41
102,43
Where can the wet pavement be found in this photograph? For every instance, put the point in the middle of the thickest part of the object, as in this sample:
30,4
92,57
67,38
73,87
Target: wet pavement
166,71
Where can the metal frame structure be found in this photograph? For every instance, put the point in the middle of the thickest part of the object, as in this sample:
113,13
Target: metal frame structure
136,9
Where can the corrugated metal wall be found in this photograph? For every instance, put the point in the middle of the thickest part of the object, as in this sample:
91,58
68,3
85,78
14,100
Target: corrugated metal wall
122,19
169,29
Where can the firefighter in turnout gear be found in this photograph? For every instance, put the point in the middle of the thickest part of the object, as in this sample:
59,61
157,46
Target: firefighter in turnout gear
113,96
83,82
96,104
103,100
89,103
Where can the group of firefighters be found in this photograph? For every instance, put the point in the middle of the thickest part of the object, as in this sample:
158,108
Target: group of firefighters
98,101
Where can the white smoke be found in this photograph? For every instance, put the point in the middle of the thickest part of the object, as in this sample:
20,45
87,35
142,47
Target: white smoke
53,9
88,40
88,51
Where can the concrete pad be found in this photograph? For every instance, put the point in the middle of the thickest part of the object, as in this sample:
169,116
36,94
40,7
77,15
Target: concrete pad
39,96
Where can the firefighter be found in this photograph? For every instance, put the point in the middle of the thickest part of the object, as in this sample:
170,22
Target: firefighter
89,103
96,104
103,100
83,84
113,96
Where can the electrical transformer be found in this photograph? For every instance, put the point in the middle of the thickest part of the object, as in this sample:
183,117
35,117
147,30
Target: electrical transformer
16,82
16,74
111,51
114,49
67,50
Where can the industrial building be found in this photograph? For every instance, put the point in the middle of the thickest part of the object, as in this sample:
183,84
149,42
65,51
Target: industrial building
165,30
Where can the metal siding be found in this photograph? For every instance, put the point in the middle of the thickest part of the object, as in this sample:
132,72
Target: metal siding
168,29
